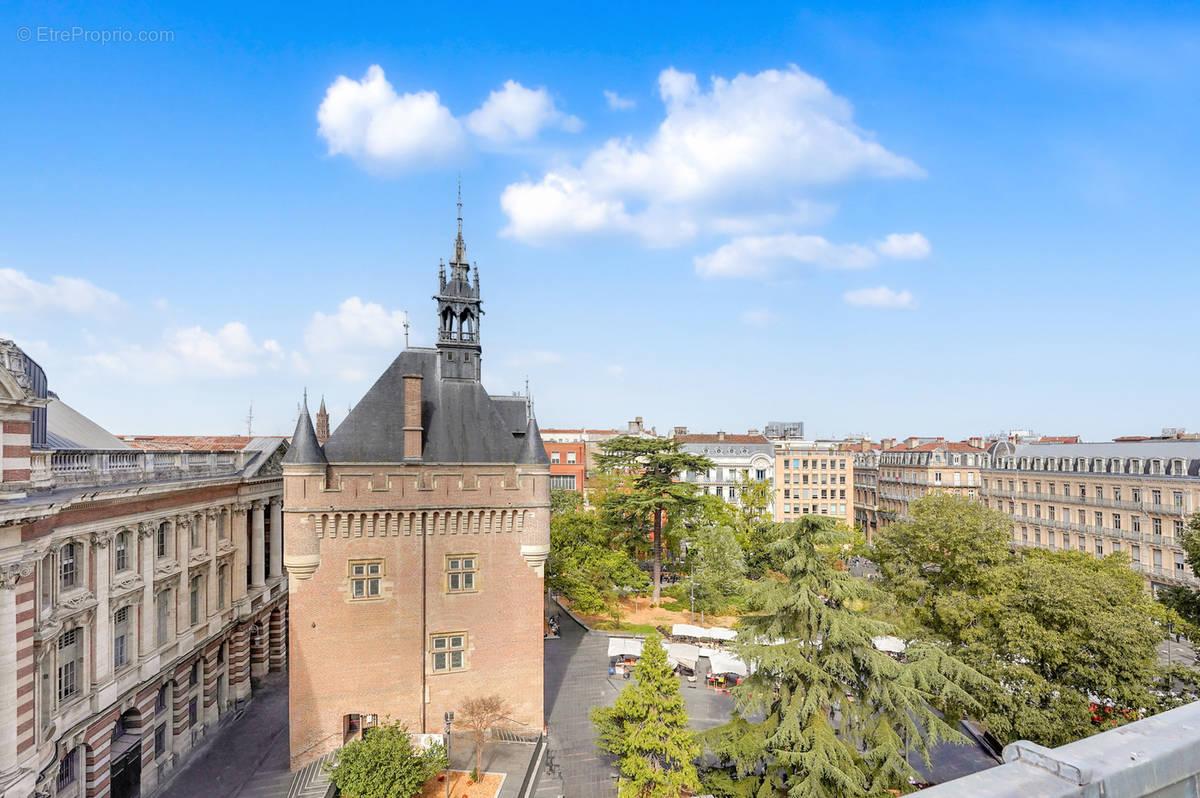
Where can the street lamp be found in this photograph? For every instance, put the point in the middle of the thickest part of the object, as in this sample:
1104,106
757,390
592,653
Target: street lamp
449,718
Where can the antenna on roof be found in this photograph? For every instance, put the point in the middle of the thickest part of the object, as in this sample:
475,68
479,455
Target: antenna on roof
406,329
250,421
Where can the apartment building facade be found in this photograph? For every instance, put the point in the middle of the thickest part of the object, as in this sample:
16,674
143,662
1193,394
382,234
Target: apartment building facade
814,478
1131,496
737,459
866,491
920,466
141,591
577,450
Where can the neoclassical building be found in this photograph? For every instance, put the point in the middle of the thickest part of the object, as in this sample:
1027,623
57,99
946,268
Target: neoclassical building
415,543
141,593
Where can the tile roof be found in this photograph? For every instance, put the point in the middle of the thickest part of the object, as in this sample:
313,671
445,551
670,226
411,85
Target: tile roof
1061,439
714,438
933,446
198,443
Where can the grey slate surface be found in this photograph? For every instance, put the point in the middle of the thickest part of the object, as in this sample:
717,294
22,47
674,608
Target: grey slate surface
304,448
66,428
462,423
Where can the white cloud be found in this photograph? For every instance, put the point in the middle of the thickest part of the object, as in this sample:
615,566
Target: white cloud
618,103
757,317
230,351
763,256
161,303
356,324
21,294
615,370
880,297
369,122
745,142
515,113
904,246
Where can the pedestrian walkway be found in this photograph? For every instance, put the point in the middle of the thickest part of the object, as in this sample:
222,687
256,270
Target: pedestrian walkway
248,757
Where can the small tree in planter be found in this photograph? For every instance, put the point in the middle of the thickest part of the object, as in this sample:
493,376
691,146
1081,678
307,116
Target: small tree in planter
482,716
385,764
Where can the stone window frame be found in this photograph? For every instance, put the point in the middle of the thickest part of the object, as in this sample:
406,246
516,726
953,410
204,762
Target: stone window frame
448,650
450,569
366,577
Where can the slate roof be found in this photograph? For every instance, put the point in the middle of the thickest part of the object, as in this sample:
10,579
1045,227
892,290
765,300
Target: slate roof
462,423
66,428
305,446
949,446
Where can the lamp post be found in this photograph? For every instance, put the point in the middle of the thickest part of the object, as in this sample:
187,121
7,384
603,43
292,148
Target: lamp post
449,718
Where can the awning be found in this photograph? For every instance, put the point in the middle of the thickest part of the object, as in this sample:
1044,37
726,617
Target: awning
624,647
700,633
725,663
890,644
684,654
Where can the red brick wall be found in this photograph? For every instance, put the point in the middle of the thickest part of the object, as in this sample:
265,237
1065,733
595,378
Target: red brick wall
578,468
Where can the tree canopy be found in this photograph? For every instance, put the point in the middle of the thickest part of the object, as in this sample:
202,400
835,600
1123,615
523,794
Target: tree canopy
646,729
385,764
839,716
585,567
1070,638
717,569
648,470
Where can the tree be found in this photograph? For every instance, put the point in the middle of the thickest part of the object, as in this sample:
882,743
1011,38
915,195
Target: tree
1184,600
839,716
384,764
481,716
646,729
717,569
650,469
565,501
1069,637
585,568
752,524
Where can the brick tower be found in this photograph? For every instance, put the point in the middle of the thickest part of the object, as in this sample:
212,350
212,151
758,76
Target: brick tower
415,540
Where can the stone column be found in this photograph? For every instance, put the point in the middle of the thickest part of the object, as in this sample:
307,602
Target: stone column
276,537
241,551
257,545
210,538
102,648
183,553
148,628
10,575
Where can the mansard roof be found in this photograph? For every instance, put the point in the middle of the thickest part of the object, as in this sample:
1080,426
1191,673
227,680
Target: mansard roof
461,422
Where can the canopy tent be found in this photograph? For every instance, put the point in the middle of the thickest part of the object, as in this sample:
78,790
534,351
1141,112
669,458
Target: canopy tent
684,654
889,644
700,633
725,663
624,647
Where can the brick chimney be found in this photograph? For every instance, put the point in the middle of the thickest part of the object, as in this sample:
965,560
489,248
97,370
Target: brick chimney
912,442
412,417
977,442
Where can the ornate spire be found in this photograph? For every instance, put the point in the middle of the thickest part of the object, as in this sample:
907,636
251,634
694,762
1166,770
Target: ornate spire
460,248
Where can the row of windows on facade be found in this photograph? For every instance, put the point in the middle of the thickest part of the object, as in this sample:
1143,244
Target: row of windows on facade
71,649
724,475
814,465
824,479
1114,546
1156,466
816,509
894,475
68,766
555,458
811,493
562,482
1115,492
924,458
366,576
1135,521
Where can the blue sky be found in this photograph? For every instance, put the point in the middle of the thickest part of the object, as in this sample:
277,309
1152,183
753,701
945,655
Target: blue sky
882,219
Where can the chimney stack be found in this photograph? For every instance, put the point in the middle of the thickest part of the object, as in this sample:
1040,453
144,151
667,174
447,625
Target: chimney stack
412,417
721,435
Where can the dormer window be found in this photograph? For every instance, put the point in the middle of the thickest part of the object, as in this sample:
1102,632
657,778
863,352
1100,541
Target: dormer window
1179,467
